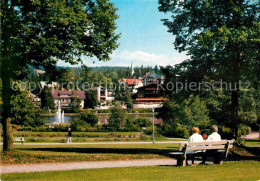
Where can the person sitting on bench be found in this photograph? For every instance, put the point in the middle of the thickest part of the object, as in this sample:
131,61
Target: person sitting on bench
196,137
213,137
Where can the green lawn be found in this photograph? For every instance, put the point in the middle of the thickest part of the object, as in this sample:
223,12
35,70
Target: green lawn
79,137
243,170
23,154
66,153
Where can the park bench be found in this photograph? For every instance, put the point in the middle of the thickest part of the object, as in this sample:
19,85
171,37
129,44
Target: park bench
218,150
19,139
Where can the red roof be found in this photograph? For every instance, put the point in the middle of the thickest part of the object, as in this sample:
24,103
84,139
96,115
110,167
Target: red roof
56,94
130,81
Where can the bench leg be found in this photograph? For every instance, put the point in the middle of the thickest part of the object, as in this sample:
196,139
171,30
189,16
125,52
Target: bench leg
218,159
181,162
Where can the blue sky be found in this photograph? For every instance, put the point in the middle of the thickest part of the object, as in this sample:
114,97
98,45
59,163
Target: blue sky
144,39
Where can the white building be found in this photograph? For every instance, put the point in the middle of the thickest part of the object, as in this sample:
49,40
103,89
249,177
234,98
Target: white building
104,95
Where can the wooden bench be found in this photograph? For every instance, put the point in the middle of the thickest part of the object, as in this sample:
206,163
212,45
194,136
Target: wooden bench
19,139
218,150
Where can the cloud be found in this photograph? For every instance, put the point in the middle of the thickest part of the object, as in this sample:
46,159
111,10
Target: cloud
138,58
145,58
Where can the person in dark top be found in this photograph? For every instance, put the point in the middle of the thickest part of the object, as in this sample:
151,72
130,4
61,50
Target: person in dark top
69,136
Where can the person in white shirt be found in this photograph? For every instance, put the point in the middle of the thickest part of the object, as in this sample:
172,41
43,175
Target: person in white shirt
195,137
214,136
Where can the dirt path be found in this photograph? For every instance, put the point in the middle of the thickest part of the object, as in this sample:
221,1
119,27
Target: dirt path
83,165
252,135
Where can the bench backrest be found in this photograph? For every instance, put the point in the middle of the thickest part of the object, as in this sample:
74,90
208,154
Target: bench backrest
214,145
198,146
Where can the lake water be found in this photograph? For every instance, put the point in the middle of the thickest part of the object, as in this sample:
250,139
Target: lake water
103,118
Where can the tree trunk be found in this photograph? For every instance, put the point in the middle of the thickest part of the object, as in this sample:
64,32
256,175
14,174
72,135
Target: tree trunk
6,121
235,96
7,69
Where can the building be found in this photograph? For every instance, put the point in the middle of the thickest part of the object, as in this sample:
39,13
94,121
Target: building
38,72
104,96
35,99
67,97
133,84
152,78
50,85
150,94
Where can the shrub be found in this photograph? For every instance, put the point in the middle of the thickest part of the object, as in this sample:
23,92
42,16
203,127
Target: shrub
117,118
244,130
89,117
149,130
60,128
174,130
131,126
78,125
182,132
144,137
225,132
142,122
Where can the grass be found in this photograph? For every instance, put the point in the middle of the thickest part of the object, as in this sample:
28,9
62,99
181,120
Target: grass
24,154
78,137
61,137
243,170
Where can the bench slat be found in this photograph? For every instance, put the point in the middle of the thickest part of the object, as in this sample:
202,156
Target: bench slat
206,147
222,142
176,153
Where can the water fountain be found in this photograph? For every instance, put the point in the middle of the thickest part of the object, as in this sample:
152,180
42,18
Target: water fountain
59,118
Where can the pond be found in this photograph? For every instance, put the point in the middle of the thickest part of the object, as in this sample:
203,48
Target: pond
104,117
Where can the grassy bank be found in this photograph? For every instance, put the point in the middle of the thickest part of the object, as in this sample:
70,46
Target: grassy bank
81,137
61,137
243,170
24,154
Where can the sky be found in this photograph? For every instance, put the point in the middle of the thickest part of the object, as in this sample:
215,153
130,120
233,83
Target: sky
144,39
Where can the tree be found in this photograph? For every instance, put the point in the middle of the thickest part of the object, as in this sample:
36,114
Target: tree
143,122
89,117
191,112
117,117
222,38
91,99
23,111
75,102
127,99
47,100
43,32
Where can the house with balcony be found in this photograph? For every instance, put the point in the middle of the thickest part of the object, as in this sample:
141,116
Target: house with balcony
150,94
152,78
68,97
133,84
104,96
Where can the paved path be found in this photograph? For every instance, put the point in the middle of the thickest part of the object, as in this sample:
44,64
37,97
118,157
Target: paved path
84,165
99,143
252,135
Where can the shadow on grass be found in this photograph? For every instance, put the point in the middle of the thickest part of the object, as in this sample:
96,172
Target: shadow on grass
244,153
106,150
